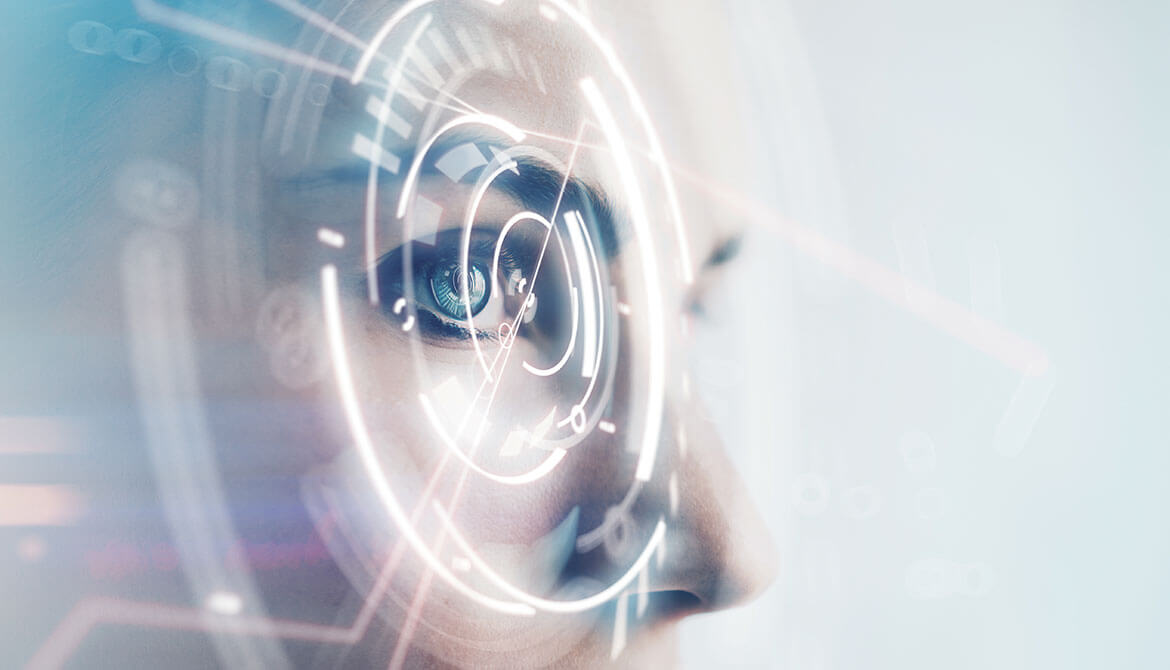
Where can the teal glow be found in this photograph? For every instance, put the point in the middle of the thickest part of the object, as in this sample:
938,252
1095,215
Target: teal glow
448,284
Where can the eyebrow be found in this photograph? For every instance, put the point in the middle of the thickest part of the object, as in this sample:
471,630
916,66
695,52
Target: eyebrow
538,186
726,251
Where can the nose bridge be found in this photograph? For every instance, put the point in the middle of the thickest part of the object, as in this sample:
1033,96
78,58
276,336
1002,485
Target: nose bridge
717,545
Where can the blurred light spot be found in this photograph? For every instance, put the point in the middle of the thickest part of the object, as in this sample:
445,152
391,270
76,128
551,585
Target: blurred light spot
39,505
810,494
31,548
224,602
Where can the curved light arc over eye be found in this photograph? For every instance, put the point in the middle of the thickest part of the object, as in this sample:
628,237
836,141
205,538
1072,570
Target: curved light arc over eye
502,163
657,372
493,121
548,372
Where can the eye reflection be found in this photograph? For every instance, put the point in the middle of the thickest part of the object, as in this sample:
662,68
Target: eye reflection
440,292
450,285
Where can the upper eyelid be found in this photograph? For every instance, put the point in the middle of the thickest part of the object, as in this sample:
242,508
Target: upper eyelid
726,251
481,246
537,188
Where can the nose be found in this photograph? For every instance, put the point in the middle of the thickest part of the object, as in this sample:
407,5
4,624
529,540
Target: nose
719,553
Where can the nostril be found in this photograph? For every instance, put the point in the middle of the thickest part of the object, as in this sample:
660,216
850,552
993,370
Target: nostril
671,605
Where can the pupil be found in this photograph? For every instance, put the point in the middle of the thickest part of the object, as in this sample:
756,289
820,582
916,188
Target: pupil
448,286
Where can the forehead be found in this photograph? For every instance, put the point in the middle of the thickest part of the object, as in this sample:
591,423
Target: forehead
545,99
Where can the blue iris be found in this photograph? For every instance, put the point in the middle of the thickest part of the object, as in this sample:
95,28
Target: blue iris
448,283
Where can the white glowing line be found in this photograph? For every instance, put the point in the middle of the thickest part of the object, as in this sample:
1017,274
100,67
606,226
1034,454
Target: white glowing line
533,216
371,204
493,52
330,237
399,305
444,49
672,488
321,22
656,152
619,626
600,312
567,170
224,602
460,160
546,466
656,386
507,163
374,152
591,540
615,66
561,606
510,47
383,32
607,427
536,75
366,451
377,108
516,218
484,184
420,60
473,55
401,82
152,11
588,297
568,350
643,592
487,119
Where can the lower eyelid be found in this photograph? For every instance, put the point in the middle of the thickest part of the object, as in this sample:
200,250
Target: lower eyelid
431,324
429,321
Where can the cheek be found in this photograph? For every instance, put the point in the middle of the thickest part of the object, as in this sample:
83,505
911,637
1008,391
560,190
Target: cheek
418,400
531,524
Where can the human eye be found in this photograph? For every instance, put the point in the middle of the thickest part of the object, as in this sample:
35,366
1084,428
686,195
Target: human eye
457,289
458,292
440,293
707,292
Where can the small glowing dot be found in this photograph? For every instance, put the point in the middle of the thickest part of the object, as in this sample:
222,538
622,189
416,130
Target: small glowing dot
331,237
224,602
607,427
31,549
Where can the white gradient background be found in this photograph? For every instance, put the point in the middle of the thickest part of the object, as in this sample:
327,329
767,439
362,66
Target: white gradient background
1034,128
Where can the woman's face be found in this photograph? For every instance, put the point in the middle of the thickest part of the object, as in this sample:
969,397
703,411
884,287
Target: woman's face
467,293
